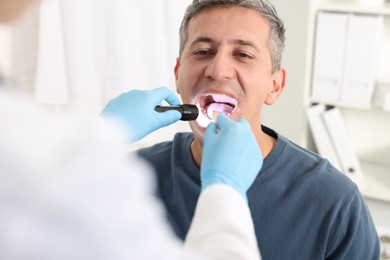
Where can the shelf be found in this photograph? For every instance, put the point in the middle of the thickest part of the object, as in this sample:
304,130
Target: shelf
373,107
377,102
339,104
351,7
378,181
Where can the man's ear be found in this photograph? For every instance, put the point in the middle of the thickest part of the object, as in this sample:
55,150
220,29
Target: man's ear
176,71
278,84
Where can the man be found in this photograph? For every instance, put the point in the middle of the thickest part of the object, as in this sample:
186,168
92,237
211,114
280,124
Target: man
302,207
66,192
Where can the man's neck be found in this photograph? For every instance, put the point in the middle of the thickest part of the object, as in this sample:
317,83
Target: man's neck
265,142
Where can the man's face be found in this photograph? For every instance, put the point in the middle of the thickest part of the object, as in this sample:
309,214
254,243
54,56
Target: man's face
226,66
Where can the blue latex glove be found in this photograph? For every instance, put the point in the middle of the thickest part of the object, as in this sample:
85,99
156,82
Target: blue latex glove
134,112
231,155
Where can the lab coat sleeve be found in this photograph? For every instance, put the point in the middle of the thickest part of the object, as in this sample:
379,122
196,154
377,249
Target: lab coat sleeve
222,227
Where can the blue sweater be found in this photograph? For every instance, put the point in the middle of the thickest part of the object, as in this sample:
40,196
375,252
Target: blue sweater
302,207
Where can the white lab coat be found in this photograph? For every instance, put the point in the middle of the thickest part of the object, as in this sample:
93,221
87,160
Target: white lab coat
67,192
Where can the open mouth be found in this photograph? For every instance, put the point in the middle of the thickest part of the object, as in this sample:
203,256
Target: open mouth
210,103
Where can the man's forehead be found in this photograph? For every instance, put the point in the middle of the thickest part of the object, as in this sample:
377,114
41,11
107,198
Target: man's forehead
208,26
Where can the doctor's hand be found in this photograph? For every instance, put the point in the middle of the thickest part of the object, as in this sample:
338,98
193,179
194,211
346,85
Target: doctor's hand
134,112
231,155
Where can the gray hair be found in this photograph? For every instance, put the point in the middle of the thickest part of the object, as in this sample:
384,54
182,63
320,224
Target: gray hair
265,8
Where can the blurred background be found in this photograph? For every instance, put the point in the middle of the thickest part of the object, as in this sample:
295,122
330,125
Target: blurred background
72,56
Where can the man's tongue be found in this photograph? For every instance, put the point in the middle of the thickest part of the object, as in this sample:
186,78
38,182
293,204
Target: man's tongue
219,107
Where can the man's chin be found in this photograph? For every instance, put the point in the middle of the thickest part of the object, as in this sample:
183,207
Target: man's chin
198,132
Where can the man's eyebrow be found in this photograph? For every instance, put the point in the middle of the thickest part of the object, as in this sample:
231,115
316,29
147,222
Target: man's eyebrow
202,39
245,43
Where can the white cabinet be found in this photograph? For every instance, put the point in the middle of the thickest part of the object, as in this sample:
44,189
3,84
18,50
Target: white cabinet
368,127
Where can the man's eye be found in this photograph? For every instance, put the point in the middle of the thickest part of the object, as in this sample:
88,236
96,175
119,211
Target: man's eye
244,55
201,52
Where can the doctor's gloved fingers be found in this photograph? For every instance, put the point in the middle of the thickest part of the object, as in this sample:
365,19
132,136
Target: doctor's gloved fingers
223,120
167,118
163,93
210,131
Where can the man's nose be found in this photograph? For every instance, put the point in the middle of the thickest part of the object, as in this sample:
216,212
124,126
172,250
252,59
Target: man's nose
220,67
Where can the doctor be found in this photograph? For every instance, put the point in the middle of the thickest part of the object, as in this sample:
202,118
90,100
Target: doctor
66,192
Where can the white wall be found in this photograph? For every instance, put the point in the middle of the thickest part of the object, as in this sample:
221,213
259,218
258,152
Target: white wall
287,116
